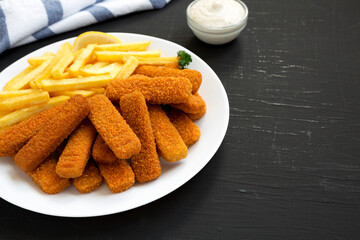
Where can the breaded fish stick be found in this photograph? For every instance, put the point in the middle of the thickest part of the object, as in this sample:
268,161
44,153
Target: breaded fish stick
90,180
194,104
15,137
159,90
77,151
113,128
188,130
154,71
101,152
172,65
197,116
146,164
39,147
118,176
168,140
46,178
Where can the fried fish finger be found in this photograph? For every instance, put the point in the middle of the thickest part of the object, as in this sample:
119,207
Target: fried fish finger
101,152
194,104
158,90
198,115
39,147
154,71
189,132
113,128
90,180
46,178
146,164
15,137
168,140
118,176
77,151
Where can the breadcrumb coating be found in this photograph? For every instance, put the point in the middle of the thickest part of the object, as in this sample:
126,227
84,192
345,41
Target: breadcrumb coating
158,90
46,178
189,132
15,137
194,104
90,180
194,76
44,142
118,176
146,164
101,152
168,140
172,65
197,116
113,128
77,151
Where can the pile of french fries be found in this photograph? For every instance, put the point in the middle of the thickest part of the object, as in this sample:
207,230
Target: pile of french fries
53,78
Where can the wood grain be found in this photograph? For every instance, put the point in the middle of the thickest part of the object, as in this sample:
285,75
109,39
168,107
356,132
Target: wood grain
289,165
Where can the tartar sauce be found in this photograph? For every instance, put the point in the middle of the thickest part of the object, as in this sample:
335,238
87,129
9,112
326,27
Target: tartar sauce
217,13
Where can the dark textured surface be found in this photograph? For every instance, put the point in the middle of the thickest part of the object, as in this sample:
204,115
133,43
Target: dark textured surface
289,166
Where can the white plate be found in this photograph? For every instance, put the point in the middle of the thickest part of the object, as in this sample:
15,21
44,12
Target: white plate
17,188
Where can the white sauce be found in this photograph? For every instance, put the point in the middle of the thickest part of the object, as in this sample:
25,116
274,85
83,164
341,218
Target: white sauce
217,13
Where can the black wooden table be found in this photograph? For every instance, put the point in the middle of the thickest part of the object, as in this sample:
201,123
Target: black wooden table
289,166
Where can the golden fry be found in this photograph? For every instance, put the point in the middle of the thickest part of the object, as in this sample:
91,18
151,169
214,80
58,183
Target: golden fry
81,59
35,83
114,56
58,70
24,113
128,68
26,100
129,46
86,93
75,83
15,93
100,71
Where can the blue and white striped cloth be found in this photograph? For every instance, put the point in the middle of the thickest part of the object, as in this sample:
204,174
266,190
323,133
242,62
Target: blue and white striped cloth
25,21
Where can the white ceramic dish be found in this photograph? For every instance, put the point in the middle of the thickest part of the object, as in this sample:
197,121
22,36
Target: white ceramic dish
17,188
217,35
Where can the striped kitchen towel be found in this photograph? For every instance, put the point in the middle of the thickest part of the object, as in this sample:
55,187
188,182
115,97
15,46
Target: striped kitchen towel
25,21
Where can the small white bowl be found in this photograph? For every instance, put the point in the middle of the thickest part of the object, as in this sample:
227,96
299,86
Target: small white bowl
217,35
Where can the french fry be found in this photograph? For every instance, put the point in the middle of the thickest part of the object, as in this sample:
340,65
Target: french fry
15,93
113,56
81,60
58,70
19,115
23,79
75,83
35,83
4,112
36,61
100,71
18,81
26,100
157,60
96,65
128,68
86,93
129,46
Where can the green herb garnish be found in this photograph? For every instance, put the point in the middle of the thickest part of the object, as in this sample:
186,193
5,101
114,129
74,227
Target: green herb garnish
184,59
